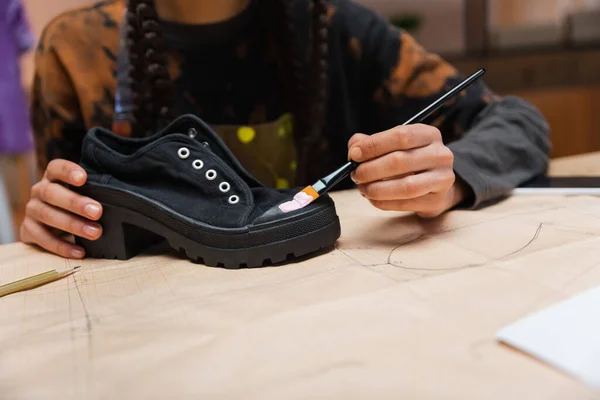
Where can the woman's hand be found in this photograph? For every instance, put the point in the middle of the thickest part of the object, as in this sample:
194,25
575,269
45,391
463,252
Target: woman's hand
53,207
407,168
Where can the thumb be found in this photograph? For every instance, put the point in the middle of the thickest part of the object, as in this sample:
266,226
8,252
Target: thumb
357,137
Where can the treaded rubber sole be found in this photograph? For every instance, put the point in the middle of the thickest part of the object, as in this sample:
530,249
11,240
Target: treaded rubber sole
126,233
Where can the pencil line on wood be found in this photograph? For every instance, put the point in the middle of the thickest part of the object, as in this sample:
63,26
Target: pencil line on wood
535,236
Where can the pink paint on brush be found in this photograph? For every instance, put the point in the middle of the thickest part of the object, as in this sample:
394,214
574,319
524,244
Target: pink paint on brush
299,201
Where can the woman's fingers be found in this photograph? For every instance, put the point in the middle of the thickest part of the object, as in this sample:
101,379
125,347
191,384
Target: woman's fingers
61,197
409,187
404,162
356,138
57,218
364,148
53,206
65,171
428,206
34,232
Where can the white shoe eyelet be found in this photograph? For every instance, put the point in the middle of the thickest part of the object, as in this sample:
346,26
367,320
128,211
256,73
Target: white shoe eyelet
234,199
224,187
205,144
211,174
192,133
198,164
183,153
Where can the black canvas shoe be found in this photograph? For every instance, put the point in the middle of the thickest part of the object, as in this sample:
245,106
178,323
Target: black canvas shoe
184,185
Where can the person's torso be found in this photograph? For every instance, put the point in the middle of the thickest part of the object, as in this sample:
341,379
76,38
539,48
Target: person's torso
232,82
225,78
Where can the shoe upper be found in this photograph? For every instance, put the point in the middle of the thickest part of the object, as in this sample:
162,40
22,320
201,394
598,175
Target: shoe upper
186,167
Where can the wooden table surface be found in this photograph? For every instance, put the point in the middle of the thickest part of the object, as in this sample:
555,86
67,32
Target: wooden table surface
401,308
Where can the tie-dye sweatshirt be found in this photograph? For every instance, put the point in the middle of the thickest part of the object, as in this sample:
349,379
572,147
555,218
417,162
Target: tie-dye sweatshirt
379,77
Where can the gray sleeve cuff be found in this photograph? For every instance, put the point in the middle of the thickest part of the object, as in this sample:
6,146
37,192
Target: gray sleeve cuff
508,145
477,187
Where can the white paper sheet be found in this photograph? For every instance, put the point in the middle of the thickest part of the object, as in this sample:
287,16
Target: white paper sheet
565,335
531,191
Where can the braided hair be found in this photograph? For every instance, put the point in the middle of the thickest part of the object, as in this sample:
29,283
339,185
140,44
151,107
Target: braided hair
305,81
148,76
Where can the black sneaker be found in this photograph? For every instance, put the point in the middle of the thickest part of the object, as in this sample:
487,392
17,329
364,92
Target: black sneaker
184,185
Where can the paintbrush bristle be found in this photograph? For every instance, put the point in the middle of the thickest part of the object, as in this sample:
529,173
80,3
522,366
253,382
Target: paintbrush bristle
300,200
309,190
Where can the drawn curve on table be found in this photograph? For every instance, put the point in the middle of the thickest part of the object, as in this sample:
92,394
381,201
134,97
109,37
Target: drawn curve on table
535,236
422,237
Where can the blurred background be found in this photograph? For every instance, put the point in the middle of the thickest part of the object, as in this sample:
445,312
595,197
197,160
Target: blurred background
546,51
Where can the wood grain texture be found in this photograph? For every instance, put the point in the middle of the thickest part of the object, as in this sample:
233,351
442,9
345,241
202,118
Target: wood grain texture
400,308
563,84
574,117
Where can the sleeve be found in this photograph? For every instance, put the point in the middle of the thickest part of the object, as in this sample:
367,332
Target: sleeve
20,26
498,143
55,112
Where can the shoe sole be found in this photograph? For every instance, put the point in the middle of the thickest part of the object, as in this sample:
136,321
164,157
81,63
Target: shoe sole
132,224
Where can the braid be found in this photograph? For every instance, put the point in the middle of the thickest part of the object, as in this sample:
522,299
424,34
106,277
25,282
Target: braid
278,17
319,67
312,111
148,77
306,80
155,59
135,69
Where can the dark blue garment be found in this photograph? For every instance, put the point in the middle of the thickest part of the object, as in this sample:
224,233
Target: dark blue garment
15,39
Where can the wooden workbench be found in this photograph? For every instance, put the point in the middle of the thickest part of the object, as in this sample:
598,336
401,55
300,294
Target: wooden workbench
401,308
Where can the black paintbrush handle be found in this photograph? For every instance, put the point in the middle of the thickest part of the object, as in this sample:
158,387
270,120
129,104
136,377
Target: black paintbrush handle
325,184
433,107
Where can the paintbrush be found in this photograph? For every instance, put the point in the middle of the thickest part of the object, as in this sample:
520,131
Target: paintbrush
323,185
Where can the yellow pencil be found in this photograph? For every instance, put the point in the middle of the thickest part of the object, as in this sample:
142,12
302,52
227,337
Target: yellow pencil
35,281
